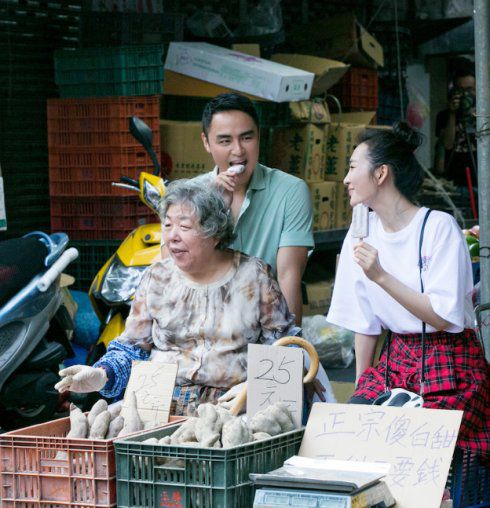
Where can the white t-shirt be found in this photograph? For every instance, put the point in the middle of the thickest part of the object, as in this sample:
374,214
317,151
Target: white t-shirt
360,305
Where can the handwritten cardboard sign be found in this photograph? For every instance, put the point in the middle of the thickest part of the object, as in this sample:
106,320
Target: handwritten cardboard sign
153,383
275,373
418,443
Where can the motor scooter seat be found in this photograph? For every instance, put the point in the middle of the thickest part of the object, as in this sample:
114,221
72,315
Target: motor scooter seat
20,260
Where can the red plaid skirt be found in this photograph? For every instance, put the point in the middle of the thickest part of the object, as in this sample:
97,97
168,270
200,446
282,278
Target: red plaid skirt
457,376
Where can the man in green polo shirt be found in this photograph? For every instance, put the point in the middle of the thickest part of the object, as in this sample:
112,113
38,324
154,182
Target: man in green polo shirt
272,209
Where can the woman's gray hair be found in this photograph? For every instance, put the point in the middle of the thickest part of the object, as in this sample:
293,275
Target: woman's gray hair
207,203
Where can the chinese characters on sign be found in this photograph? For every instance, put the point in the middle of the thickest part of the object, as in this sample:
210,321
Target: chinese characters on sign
275,373
153,383
417,443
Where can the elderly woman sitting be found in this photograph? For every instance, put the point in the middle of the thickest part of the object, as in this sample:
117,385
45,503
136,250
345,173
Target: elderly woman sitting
199,308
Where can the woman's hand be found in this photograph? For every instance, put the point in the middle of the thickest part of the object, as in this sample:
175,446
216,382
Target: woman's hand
82,379
228,399
366,257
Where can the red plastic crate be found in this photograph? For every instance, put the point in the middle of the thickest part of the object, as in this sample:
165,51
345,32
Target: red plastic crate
99,218
100,122
85,172
33,472
358,89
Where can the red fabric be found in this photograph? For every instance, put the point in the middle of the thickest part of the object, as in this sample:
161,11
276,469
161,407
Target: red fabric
457,376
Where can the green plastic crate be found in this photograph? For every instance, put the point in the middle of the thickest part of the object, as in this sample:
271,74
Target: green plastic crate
124,70
208,477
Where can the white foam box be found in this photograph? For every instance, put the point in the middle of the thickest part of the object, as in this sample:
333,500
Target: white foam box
239,71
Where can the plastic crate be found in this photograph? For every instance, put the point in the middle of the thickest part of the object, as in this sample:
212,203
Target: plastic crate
100,122
41,467
99,214
358,89
90,172
125,70
209,477
92,257
469,480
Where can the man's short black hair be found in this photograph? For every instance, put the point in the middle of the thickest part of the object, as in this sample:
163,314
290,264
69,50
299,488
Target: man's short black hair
228,102
462,67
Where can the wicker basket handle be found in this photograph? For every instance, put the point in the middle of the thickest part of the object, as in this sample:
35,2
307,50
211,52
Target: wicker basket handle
309,377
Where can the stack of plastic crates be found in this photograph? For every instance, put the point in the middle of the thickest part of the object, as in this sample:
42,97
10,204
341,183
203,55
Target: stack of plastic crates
122,70
29,32
90,147
358,89
40,466
166,475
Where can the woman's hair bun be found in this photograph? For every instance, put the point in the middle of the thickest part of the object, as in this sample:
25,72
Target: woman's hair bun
406,134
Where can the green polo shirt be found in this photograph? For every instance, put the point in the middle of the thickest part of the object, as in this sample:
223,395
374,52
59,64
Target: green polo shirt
276,212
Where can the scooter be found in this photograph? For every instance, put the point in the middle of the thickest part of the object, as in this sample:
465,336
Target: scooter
113,288
34,327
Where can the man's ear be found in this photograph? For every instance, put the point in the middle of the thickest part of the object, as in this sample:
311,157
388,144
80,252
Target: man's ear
205,142
381,173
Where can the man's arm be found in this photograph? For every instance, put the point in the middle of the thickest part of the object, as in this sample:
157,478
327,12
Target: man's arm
291,263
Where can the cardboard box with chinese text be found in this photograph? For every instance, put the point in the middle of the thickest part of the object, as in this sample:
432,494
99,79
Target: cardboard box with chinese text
343,210
324,204
300,151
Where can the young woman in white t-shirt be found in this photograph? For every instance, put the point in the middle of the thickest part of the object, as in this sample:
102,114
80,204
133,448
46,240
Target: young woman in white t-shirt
378,288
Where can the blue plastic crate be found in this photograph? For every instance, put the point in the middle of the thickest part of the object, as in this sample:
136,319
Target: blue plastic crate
469,480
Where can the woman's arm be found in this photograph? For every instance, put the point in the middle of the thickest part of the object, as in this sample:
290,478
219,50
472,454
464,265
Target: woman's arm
415,302
365,347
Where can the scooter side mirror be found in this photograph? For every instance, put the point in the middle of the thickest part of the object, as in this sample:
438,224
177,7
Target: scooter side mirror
144,135
152,190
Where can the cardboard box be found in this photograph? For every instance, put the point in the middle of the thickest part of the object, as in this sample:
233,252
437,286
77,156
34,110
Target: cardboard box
340,37
300,151
343,210
312,111
362,117
179,84
327,72
242,72
319,296
340,143
183,154
324,203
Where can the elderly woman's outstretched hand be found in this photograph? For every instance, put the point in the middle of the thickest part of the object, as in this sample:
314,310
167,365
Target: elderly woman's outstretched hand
228,399
82,379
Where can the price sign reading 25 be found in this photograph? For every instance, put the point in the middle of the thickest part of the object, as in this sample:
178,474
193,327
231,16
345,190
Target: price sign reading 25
275,373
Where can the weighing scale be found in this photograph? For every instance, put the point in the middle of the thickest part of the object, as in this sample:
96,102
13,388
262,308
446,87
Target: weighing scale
376,496
311,483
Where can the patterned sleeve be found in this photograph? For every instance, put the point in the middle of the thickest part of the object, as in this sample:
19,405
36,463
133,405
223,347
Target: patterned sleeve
133,344
275,319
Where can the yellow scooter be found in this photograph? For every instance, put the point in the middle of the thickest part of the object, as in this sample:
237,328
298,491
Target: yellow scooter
113,288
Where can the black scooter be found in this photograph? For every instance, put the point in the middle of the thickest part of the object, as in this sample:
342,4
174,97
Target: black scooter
33,327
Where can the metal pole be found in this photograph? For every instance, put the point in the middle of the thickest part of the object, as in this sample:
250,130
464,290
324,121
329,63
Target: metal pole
481,17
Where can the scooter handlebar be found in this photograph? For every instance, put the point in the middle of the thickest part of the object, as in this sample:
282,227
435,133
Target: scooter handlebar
58,266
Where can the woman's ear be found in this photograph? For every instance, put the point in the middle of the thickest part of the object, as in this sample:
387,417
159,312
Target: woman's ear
381,173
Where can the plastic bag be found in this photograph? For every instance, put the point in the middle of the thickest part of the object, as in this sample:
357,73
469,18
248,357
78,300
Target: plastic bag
334,345
264,19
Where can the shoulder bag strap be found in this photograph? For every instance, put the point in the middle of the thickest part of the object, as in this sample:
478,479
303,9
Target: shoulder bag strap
422,374
388,337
